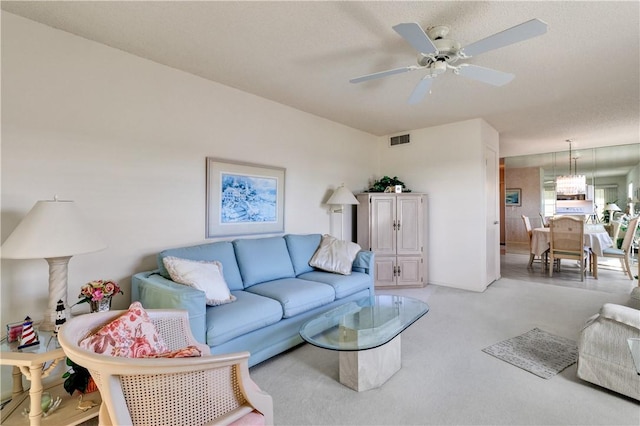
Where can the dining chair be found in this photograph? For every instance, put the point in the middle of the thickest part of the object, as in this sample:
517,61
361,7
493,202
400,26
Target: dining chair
567,242
615,231
624,252
544,221
532,255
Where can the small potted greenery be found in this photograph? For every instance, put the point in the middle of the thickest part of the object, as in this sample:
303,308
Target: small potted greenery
78,379
383,183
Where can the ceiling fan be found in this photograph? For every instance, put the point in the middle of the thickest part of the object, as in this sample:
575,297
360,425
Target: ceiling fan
438,54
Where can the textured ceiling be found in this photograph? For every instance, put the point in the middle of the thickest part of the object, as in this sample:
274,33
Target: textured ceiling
581,80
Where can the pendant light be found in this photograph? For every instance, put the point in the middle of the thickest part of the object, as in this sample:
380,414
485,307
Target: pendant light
571,184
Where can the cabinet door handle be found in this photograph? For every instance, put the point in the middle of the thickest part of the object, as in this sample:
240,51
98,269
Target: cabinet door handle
394,271
398,270
394,225
398,225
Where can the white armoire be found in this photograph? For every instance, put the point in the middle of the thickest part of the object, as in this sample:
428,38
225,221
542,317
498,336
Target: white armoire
393,226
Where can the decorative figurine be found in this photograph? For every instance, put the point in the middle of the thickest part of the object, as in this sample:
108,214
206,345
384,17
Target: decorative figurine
29,335
14,331
61,317
85,405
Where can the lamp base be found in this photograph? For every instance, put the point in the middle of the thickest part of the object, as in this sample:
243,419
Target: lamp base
58,267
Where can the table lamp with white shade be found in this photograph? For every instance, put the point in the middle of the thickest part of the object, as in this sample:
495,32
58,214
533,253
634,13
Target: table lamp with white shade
611,208
53,230
341,197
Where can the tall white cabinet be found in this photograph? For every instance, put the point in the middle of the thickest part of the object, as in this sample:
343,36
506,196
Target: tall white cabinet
393,226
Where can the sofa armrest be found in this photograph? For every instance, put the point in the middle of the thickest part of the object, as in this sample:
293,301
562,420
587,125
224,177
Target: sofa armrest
156,292
363,262
622,314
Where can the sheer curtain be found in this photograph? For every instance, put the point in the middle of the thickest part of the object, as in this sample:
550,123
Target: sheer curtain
604,195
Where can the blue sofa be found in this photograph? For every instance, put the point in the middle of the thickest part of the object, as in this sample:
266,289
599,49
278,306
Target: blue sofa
275,288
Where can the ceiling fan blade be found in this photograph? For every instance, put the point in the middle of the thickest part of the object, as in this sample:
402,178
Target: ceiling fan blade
415,35
422,88
485,75
524,31
384,73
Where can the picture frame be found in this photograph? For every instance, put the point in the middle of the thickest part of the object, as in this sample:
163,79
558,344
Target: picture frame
513,197
243,198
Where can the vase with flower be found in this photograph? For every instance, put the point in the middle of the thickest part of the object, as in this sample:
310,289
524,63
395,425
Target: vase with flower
98,294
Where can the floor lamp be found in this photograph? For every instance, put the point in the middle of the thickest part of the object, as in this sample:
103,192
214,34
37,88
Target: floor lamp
341,197
53,230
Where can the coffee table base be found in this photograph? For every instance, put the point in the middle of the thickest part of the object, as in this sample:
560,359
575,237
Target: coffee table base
371,368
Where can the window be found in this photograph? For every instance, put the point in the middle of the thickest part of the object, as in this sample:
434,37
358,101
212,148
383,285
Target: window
549,201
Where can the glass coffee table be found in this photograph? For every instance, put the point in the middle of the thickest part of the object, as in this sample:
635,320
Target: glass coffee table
367,335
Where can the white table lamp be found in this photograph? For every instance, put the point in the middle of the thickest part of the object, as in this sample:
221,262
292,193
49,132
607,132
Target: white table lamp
53,230
611,208
341,197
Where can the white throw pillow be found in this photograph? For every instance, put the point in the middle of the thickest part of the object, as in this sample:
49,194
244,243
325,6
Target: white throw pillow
334,255
202,275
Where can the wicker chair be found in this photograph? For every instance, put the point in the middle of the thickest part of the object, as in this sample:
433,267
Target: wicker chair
168,391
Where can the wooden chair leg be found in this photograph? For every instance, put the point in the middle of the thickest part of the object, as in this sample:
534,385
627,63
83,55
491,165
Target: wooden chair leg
531,257
628,267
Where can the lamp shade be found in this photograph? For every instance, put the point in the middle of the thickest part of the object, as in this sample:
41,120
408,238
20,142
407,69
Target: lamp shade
52,228
342,196
613,207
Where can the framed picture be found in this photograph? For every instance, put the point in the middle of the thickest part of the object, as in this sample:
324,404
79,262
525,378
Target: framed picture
243,198
512,197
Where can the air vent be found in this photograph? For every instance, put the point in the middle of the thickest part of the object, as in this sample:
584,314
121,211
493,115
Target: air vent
399,140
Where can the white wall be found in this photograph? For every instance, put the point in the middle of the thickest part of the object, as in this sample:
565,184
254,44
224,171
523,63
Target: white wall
447,163
127,138
530,181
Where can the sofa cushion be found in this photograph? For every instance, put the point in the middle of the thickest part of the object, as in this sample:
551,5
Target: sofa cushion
249,312
295,295
221,251
202,275
263,259
334,255
343,285
301,248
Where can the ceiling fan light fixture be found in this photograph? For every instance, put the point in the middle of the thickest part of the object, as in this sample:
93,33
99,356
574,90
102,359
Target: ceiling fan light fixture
437,53
439,67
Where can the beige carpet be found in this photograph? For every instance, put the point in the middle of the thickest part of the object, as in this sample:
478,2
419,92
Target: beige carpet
445,378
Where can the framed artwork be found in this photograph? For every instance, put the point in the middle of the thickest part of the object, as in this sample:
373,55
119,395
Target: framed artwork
512,197
243,198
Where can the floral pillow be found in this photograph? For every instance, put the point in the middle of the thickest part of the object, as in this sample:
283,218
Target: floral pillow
186,352
131,335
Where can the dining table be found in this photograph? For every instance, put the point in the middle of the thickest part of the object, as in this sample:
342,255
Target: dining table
596,238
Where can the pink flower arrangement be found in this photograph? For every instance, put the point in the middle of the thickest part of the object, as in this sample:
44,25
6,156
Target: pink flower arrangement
98,290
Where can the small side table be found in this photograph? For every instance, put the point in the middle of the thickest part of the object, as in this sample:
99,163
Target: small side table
36,363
